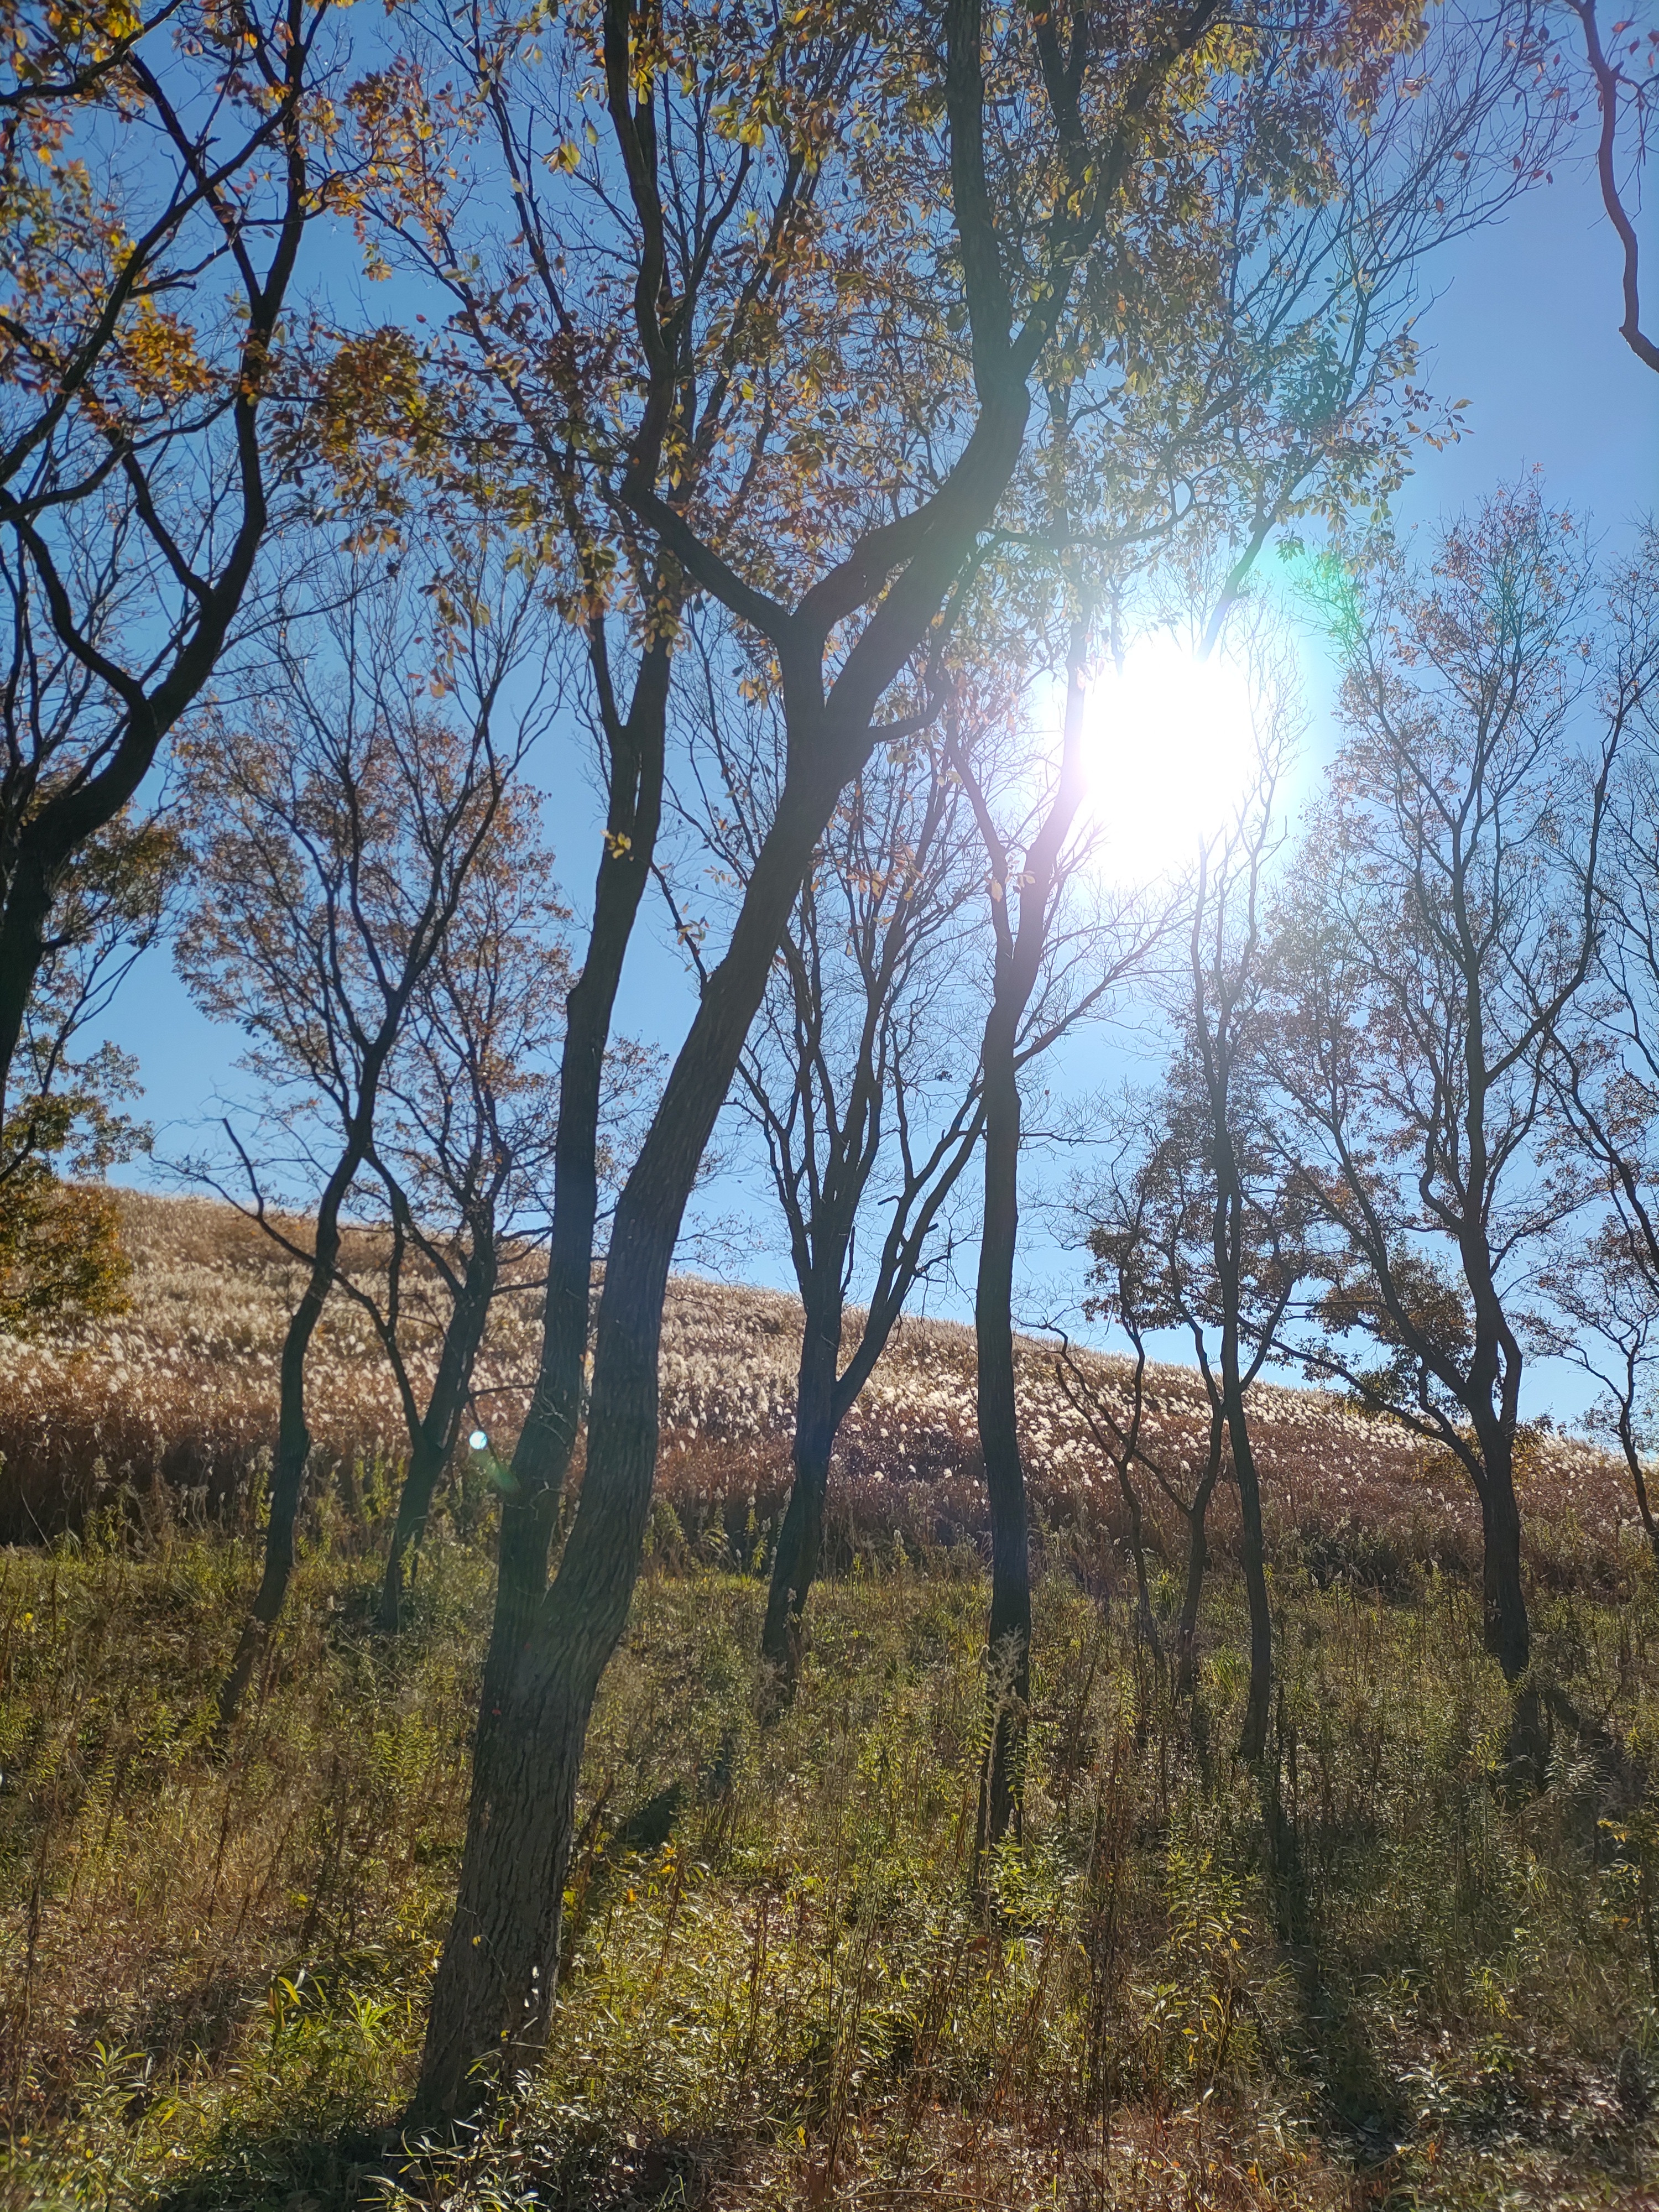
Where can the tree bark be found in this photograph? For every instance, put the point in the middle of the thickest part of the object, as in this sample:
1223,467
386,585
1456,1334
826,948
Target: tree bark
1493,1396
1252,1739
796,1565
1145,1619
497,1978
293,1441
1637,1473
1009,1635
542,1455
434,1440
1506,1632
29,888
427,1462
1198,1560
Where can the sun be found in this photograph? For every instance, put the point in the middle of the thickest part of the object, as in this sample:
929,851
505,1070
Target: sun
1172,738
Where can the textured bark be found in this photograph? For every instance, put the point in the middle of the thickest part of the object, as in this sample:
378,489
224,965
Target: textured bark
499,1969
1253,1738
1009,1631
541,1457
1505,1629
800,1539
422,1476
490,2009
30,884
434,1439
1198,1560
1634,1462
288,1473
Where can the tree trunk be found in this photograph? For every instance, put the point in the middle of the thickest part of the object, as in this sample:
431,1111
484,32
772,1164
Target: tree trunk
427,1458
497,1978
1507,1635
495,1983
293,1442
434,1440
1253,1738
1009,1640
28,893
799,1541
1145,1619
542,1455
1638,1477
1198,1561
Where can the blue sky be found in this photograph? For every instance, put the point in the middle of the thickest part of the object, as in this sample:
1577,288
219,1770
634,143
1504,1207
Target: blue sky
1524,325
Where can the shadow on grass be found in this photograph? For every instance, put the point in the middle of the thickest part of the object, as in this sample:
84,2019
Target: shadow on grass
355,2168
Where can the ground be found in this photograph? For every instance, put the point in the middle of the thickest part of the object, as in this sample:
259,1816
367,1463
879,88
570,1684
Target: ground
1387,1968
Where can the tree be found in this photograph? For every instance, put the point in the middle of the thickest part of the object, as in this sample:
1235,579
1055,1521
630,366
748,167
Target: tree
1442,923
461,1138
465,1137
1605,1067
60,1251
1140,1252
1622,78
954,232
160,170
1281,385
333,833
1604,1289
589,344
1045,977
853,1069
1256,1207
1200,1223
845,631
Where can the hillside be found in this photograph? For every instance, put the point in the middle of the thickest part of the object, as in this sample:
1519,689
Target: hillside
176,1398
1379,1970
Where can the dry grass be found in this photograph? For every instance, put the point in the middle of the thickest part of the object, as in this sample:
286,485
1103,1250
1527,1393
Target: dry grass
1380,1977
1386,1981
179,1398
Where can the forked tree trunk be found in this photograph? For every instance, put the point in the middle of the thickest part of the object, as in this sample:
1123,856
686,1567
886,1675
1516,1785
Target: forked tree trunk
1009,1634
434,1440
823,1399
288,1472
497,1978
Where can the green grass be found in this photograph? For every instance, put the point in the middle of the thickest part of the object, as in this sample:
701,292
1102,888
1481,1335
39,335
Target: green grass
1385,1975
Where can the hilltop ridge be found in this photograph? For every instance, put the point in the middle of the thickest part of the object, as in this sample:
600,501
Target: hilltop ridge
176,1398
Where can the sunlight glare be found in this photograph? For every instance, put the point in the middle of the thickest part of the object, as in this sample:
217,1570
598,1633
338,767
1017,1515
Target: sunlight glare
1170,746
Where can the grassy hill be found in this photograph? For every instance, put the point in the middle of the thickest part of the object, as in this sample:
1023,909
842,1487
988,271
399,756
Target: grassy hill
1379,1971
175,1403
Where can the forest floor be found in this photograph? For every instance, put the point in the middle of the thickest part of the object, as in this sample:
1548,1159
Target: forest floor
1381,1970
1378,1976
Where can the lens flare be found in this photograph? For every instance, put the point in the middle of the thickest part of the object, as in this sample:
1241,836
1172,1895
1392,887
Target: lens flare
1171,740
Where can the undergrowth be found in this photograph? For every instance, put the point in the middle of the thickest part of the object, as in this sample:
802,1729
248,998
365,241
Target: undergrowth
1380,1972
